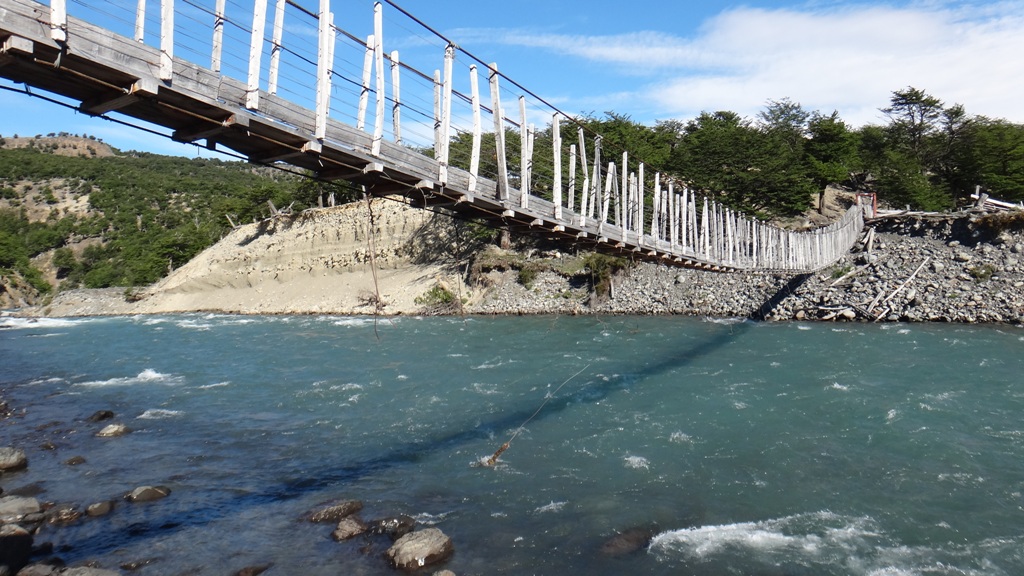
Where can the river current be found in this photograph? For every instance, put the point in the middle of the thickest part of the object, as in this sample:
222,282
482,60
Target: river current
744,448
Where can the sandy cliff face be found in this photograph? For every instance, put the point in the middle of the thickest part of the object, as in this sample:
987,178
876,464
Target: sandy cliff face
318,262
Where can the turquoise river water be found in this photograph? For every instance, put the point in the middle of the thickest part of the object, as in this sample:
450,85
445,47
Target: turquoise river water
746,448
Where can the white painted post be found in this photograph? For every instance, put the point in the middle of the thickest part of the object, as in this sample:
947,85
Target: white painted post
656,209
585,198
572,178
378,51
166,39
324,64
705,231
607,198
259,23
556,146
474,160
396,95
364,93
275,46
218,35
524,156
639,225
437,113
446,114
530,133
59,20
684,217
499,132
673,218
596,183
620,200
140,21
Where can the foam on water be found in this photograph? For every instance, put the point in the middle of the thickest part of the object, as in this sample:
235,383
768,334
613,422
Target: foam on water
147,376
159,414
552,507
811,536
23,323
637,462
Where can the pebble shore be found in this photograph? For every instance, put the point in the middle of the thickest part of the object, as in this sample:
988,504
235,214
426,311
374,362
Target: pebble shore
961,276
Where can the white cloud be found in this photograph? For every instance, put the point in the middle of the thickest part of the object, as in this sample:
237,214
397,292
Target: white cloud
849,58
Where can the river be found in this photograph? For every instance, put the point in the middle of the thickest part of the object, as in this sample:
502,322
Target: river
744,448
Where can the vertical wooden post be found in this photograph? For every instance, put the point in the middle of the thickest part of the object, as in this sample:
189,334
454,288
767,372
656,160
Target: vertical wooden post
218,35
524,156
596,182
396,96
166,39
474,160
259,23
275,46
446,114
499,132
673,218
655,209
640,205
572,178
556,146
59,20
585,198
324,64
607,198
364,92
705,231
140,21
437,113
621,218
378,52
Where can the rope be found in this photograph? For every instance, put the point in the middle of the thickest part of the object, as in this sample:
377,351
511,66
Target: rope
490,462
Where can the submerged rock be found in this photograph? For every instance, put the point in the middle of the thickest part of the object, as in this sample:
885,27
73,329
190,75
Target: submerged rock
100,416
99,509
112,430
12,459
393,526
147,493
421,548
628,541
335,512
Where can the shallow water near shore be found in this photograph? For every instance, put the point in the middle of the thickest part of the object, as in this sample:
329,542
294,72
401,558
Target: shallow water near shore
746,448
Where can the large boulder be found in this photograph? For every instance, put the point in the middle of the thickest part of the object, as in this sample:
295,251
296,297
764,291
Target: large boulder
12,459
420,548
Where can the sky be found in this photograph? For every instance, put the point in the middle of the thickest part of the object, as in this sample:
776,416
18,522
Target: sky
673,59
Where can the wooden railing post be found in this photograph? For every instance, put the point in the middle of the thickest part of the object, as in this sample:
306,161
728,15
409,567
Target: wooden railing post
275,46
166,39
259,22
324,64
218,35
499,132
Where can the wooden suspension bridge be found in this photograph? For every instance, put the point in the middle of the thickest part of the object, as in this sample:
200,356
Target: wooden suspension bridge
611,207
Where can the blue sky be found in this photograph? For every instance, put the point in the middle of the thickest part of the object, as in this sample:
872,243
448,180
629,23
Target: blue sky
672,59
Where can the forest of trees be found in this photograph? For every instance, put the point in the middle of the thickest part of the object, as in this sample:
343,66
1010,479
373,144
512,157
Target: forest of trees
928,155
152,213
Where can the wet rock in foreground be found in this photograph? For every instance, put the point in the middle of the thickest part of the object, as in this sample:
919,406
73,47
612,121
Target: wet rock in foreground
421,548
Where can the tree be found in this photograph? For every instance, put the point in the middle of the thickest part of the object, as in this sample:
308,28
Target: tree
913,115
831,152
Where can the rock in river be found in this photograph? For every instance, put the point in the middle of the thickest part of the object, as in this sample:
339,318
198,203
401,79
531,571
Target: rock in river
336,511
421,548
12,459
147,493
